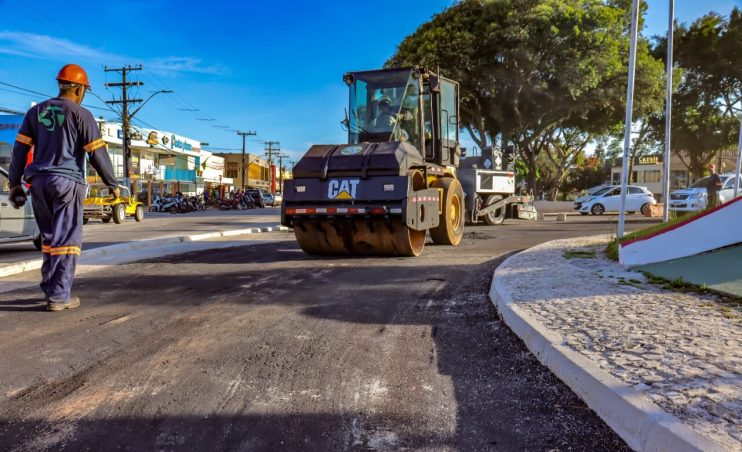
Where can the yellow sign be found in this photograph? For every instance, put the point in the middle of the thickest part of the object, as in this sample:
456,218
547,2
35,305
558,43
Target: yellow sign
649,160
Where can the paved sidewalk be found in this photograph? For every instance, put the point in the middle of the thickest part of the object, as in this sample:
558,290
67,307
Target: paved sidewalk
663,369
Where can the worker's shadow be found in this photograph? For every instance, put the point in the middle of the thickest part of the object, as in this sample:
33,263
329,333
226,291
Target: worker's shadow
23,305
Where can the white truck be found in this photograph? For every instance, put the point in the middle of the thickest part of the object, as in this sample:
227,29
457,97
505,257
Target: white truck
490,189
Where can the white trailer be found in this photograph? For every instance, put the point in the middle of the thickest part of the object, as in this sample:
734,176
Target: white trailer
490,193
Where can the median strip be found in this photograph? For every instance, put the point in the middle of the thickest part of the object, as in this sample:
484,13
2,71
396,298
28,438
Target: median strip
34,264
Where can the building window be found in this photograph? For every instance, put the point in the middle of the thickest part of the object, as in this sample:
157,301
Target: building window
616,179
651,176
634,177
232,169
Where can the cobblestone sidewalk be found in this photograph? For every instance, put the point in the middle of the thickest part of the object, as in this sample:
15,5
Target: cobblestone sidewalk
683,351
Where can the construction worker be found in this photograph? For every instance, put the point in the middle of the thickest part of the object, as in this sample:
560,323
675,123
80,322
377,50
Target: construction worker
385,119
61,133
712,187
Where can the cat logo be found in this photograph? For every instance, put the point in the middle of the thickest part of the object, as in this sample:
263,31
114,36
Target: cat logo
342,189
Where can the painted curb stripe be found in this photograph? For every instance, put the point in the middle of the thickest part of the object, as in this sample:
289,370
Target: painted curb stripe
682,223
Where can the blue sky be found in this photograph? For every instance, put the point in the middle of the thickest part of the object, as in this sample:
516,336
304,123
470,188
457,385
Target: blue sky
273,67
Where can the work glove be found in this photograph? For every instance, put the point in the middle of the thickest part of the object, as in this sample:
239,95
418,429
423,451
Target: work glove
17,197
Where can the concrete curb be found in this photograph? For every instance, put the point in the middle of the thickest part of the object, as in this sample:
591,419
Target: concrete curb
641,423
33,264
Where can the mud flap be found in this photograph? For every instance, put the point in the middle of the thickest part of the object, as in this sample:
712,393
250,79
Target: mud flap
422,209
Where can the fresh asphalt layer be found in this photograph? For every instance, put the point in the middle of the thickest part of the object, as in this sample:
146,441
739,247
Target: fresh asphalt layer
262,347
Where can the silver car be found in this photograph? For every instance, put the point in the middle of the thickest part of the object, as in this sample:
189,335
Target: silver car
16,225
693,198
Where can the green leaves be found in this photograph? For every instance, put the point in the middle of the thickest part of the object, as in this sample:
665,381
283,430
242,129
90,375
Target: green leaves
528,66
706,102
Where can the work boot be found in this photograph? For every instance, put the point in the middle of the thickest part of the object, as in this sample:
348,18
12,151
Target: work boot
54,305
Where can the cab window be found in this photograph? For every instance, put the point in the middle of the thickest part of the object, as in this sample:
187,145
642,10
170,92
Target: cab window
449,112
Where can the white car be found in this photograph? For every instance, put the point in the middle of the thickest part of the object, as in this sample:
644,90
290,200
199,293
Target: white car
592,192
16,225
693,198
638,199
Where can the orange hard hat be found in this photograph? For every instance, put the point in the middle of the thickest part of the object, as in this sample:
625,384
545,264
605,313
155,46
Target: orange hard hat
73,73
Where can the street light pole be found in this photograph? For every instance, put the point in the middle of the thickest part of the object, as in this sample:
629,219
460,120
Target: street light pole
244,147
629,112
668,118
739,164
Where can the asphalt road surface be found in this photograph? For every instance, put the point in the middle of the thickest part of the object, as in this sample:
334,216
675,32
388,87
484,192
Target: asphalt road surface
260,347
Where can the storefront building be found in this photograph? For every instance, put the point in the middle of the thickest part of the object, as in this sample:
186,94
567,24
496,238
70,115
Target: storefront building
647,171
161,162
257,174
10,124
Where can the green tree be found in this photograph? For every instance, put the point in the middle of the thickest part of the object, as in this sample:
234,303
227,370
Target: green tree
706,105
529,67
566,150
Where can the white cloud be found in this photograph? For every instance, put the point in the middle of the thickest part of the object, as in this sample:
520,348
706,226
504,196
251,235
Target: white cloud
44,47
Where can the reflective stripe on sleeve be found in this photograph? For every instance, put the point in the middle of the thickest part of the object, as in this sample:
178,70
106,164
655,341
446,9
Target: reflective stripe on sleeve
93,145
21,138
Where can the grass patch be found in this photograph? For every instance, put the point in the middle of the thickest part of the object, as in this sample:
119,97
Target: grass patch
612,249
729,304
579,254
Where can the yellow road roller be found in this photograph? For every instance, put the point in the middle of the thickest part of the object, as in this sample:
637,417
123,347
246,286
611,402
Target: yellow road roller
394,181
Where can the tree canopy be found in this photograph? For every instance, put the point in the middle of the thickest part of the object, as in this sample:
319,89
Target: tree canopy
528,67
706,104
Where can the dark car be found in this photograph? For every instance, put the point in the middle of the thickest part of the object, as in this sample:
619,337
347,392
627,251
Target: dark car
257,196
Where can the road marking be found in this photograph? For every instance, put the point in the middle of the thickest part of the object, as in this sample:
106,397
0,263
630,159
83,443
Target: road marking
118,320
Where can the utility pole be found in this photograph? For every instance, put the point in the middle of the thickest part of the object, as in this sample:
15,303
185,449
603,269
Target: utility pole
125,101
244,135
126,116
280,171
271,152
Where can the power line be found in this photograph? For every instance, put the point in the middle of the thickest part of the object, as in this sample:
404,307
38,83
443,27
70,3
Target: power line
32,93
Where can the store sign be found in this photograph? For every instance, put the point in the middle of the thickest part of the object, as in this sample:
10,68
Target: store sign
165,140
649,160
216,164
176,143
655,159
152,138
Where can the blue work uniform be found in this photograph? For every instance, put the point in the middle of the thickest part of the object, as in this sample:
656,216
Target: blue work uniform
62,133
